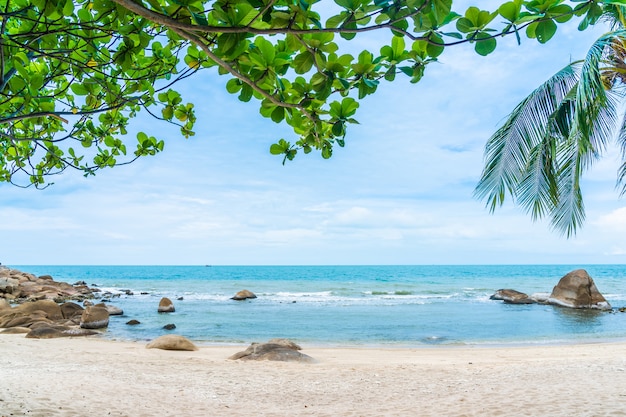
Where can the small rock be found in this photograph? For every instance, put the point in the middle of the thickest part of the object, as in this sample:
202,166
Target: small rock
114,310
170,326
171,342
243,295
166,306
512,297
133,322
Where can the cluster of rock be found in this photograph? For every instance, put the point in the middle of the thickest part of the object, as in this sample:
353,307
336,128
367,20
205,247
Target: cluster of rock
574,290
45,319
17,286
45,309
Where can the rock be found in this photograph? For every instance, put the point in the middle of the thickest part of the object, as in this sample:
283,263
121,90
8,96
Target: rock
114,310
166,305
243,295
512,297
9,285
286,343
52,309
24,320
69,310
52,332
133,322
283,351
15,330
4,305
94,317
171,342
540,297
170,326
577,290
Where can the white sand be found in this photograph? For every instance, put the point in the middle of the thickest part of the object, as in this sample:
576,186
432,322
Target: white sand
94,377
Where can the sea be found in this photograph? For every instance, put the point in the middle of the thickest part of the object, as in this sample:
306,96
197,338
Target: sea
351,306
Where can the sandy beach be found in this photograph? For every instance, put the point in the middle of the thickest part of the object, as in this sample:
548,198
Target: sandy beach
95,377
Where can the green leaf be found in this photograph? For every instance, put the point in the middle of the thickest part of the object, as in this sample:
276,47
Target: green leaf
233,85
436,45
278,114
485,44
303,62
465,25
79,89
545,30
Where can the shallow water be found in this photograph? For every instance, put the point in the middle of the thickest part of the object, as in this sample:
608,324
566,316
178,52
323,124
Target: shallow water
351,305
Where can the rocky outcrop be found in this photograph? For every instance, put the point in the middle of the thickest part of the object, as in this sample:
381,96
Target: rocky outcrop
512,297
577,290
171,342
574,290
17,286
166,306
243,295
51,332
275,350
38,311
94,317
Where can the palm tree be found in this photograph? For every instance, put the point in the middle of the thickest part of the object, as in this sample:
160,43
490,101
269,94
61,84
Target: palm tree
558,131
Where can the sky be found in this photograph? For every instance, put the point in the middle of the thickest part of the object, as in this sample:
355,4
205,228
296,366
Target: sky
400,192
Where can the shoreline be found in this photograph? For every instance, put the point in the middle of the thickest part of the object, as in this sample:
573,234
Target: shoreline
100,377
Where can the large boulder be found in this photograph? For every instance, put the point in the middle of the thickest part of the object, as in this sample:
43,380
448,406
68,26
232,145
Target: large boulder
243,295
166,306
171,342
577,290
512,297
52,309
275,350
94,317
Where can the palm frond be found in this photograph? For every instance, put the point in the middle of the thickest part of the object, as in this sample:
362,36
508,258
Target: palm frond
508,150
537,192
569,212
595,107
621,173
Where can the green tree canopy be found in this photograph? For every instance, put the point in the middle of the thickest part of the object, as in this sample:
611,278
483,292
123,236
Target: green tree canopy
73,73
540,153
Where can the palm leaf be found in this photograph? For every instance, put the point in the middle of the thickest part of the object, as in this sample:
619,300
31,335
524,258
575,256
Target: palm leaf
509,151
569,212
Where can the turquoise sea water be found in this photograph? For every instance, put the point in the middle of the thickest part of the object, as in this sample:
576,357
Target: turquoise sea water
351,305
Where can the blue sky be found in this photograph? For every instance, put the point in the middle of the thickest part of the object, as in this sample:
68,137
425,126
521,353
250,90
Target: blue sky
400,192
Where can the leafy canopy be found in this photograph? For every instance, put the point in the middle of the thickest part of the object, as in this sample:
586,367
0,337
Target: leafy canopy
73,73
